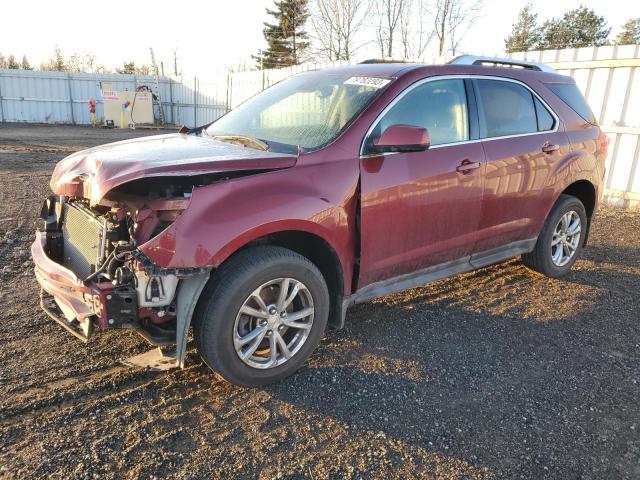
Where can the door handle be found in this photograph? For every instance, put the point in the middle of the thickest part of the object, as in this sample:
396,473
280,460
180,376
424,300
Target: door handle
466,166
549,147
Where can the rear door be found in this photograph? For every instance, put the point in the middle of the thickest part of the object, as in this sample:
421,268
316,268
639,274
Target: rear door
522,145
421,209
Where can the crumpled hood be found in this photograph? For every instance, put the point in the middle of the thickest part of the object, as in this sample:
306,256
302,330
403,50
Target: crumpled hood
92,173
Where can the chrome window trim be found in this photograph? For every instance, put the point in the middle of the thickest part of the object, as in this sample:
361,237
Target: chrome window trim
418,83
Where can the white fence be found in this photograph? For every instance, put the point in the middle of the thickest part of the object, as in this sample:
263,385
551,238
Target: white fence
610,80
608,76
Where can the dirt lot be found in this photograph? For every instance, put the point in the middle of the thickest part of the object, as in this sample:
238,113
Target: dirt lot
499,373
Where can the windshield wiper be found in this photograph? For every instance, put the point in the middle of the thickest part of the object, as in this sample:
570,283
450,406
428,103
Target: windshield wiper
244,140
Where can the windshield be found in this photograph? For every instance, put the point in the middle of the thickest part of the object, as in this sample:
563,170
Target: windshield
308,111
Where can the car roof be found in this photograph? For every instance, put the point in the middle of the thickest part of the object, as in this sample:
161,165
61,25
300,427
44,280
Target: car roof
397,70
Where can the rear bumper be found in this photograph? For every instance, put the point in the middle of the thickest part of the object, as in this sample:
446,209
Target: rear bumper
76,301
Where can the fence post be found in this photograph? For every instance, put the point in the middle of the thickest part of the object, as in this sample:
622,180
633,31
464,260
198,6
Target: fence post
607,89
195,102
1,106
627,93
173,113
227,107
73,118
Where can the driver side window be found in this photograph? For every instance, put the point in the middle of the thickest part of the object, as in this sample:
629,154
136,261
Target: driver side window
440,106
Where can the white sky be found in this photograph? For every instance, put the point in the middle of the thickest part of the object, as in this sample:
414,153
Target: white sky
211,35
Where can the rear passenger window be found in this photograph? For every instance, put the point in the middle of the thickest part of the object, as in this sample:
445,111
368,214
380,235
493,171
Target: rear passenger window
439,106
508,108
545,120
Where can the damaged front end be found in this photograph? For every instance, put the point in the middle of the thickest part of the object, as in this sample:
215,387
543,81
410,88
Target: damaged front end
94,277
111,201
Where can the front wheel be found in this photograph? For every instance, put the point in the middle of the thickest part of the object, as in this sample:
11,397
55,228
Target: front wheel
261,315
561,238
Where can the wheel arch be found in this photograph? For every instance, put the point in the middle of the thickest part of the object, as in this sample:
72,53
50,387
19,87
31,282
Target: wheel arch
584,191
320,252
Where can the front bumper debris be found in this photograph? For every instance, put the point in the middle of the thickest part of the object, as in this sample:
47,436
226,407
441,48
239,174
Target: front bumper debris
79,329
80,308
74,301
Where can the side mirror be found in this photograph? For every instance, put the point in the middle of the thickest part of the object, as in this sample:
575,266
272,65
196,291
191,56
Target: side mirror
401,138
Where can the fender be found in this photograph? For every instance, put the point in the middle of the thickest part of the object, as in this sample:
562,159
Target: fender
577,166
223,217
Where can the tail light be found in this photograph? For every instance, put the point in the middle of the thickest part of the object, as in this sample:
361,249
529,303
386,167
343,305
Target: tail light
604,143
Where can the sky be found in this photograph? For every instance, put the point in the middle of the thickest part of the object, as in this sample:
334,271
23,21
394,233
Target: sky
212,35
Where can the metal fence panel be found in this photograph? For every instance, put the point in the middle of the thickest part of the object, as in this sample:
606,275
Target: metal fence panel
59,97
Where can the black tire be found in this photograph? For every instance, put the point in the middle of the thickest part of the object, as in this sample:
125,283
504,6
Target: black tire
540,259
223,297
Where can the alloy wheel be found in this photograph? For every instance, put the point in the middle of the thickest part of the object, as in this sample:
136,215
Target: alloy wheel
273,323
566,238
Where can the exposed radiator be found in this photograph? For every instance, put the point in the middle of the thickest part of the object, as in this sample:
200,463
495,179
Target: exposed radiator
83,239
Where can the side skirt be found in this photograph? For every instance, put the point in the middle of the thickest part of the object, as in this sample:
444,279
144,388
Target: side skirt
437,272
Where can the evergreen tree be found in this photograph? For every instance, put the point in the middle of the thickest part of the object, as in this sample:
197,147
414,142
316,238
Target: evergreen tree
25,65
580,27
525,34
3,61
55,64
128,68
287,39
630,34
12,64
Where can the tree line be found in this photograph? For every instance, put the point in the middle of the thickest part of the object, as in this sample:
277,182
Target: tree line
77,62
333,29
580,27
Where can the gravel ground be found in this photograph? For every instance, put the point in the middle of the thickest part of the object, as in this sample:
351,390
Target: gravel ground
499,373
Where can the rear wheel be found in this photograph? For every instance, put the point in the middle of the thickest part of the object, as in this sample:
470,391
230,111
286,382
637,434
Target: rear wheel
561,239
261,316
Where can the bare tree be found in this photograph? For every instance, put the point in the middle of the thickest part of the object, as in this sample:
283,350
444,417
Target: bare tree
336,24
452,20
389,13
415,35
325,29
83,62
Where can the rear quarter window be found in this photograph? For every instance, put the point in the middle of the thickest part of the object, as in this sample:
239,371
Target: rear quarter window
571,95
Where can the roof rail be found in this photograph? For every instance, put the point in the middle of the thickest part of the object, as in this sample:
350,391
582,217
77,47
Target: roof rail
501,62
382,60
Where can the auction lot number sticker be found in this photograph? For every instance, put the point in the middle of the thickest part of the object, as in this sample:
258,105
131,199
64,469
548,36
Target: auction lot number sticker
374,82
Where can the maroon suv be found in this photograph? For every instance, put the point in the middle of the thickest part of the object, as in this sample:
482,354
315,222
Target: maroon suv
328,189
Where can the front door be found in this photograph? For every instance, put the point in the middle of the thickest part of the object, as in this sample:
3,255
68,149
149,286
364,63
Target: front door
421,209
